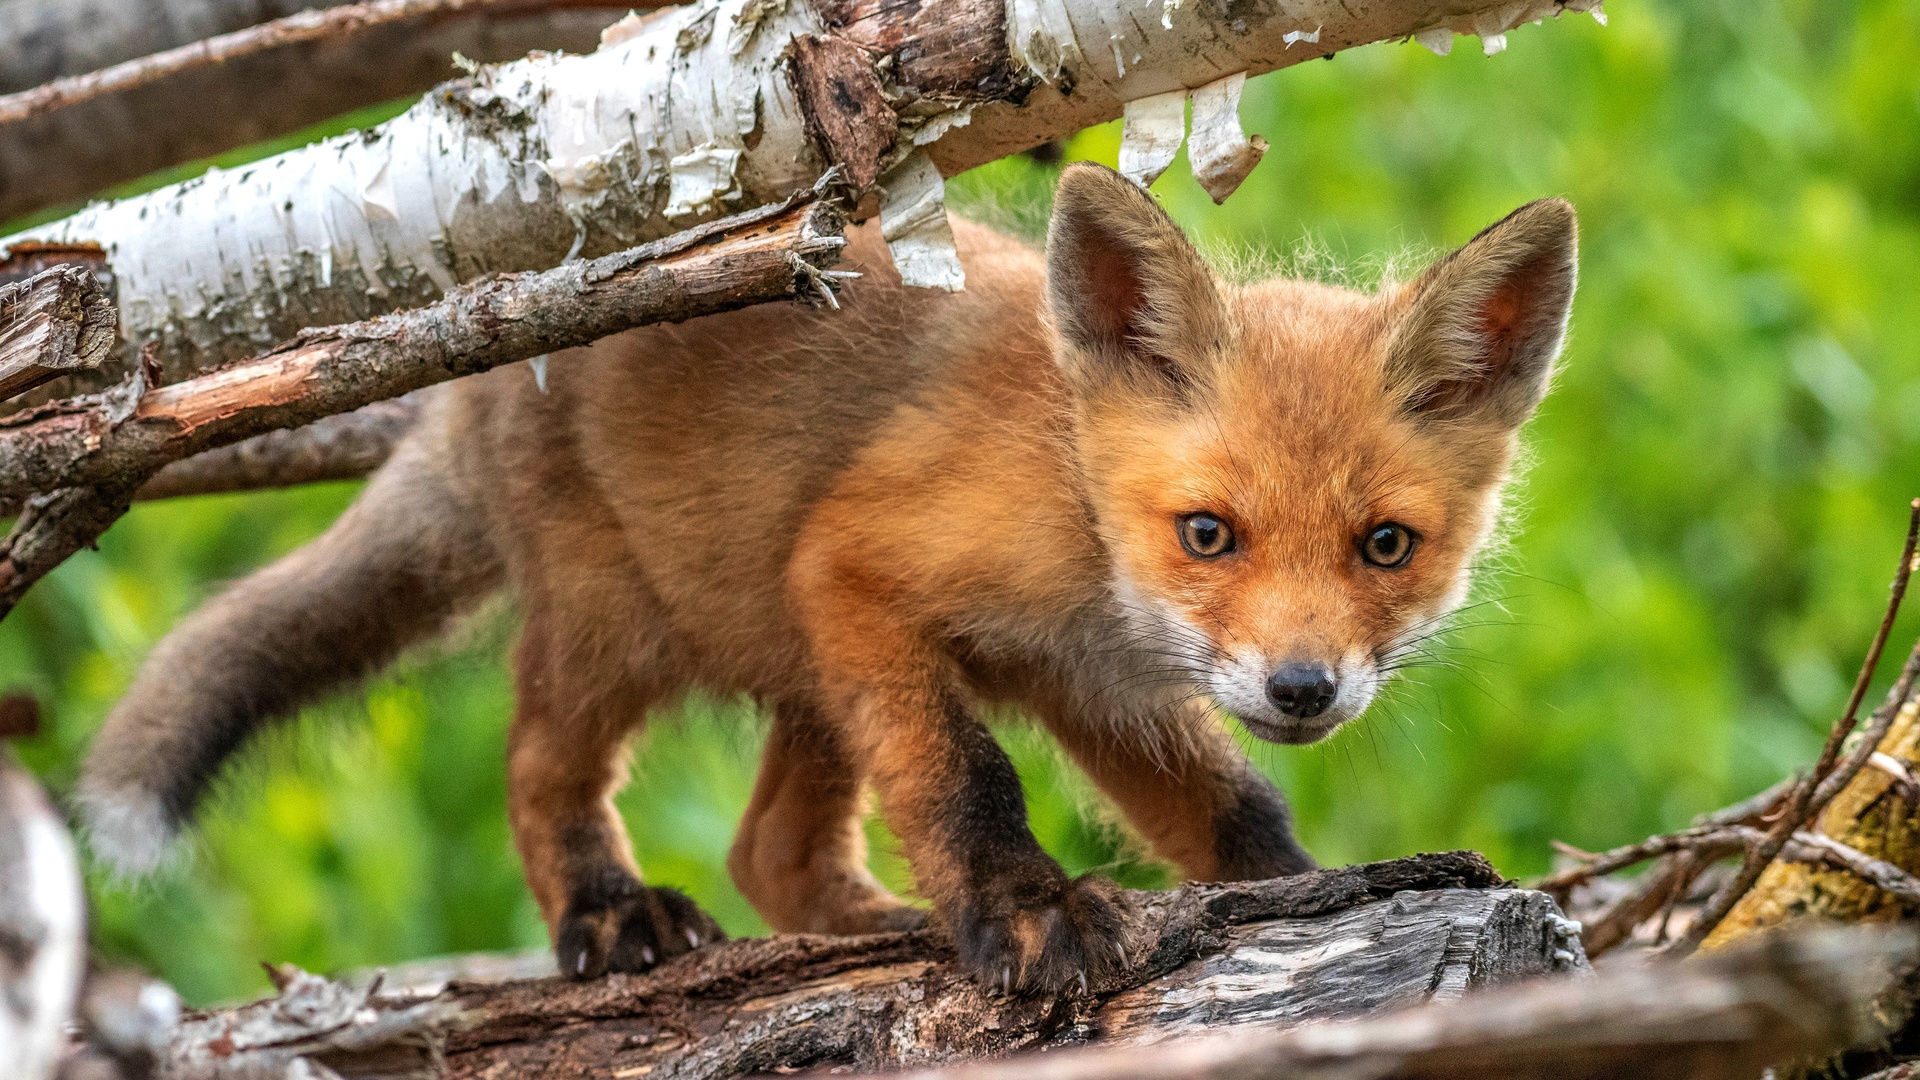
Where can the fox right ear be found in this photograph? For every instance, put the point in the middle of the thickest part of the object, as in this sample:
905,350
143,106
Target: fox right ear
1483,331
1130,297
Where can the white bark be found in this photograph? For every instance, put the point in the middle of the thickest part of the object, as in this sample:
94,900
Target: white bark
680,116
42,931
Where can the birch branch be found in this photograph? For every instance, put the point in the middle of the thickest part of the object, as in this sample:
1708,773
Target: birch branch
76,463
57,322
338,25
681,116
140,115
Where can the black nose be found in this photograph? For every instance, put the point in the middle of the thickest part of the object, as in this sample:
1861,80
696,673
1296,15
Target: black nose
1301,690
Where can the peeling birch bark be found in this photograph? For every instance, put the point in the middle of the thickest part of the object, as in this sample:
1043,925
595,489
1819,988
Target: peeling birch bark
72,466
57,322
52,157
1328,944
680,116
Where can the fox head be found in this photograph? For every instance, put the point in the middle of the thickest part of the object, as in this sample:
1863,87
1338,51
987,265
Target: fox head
1293,479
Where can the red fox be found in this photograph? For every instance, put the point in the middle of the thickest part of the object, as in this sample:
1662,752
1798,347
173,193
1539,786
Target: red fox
1100,486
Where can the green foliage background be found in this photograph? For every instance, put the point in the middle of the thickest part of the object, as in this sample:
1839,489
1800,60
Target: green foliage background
1702,547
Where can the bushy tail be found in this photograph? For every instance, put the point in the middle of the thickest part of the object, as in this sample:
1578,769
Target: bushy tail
396,567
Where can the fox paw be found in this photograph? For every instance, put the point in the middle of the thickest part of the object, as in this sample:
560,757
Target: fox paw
634,930
1051,944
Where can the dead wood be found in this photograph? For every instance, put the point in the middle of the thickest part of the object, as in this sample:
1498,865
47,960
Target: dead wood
70,468
1328,944
1858,862
1725,1018
54,323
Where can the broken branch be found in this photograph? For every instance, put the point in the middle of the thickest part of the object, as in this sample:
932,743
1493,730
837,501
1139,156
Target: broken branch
57,322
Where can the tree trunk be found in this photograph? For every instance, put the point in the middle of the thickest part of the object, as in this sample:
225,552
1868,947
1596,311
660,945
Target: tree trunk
1328,944
681,116
76,152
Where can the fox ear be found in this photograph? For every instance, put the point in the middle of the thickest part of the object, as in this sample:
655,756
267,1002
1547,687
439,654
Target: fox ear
1486,323
1130,297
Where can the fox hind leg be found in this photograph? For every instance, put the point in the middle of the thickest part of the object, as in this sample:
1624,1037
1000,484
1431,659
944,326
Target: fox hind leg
566,758
800,854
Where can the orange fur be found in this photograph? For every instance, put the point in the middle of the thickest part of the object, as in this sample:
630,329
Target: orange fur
879,521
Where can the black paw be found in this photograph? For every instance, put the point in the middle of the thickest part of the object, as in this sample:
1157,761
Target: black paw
634,930
1052,943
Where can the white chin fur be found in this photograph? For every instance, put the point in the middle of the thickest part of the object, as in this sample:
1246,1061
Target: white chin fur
128,832
1240,687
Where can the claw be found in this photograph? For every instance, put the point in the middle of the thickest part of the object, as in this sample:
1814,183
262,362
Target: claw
693,939
1083,984
1006,979
580,965
646,953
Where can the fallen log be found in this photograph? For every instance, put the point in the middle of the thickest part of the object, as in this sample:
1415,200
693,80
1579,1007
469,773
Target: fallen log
1329,944
1729,1017
70,468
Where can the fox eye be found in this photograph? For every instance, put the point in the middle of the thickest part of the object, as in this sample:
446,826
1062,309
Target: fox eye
1205,536
1388,546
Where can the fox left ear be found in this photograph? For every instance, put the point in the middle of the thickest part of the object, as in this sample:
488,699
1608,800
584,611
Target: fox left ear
1131,299
1485,325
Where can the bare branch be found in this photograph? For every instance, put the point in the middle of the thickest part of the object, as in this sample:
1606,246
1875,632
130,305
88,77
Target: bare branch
54,323
113,442
343,447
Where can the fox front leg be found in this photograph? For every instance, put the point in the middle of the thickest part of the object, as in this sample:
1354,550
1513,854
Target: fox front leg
1019,923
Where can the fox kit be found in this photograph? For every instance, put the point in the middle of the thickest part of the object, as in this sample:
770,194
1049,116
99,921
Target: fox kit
1100,486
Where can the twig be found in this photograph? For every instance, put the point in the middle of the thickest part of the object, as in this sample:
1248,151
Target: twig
1814,790
1713,841
327,24
93,453
1809,846
1673,874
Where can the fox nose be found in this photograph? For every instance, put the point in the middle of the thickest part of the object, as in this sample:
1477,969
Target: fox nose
1301,690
